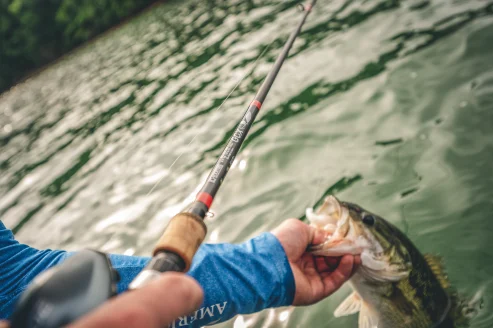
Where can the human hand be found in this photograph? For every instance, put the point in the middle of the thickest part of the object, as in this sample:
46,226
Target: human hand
154,306
316,277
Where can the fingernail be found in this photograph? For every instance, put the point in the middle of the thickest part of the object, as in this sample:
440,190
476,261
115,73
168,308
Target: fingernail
319,236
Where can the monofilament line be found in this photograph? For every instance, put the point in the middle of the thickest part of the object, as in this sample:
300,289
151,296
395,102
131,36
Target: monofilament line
221,105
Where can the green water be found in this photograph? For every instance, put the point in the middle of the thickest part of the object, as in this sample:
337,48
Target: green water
388,104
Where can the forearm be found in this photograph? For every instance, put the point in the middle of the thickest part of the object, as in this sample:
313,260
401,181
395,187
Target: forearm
240,279
19,265
236,279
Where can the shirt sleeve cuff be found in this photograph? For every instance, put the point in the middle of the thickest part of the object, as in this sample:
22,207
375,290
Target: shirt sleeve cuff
240,279
270,251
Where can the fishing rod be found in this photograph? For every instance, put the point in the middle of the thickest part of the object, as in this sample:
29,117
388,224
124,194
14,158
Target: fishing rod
66,292
186,230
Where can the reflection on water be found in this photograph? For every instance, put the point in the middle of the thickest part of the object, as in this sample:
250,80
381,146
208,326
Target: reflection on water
385,103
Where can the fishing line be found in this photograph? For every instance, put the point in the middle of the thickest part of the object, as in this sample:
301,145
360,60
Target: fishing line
174,251
214,110
218,108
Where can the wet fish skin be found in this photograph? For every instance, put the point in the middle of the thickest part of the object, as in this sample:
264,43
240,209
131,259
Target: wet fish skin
395,285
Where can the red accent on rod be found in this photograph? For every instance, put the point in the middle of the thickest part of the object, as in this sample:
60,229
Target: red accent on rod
308,7
257,104
205,198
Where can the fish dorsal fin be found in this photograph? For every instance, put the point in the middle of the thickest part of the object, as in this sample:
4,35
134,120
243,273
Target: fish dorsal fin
350,305
367,317
436,265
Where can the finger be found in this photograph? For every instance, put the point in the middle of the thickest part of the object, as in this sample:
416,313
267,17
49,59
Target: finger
153,306
332,262
357,263
357,260
294,237
327,263
317,236
307,263
334,280
321,265
4,324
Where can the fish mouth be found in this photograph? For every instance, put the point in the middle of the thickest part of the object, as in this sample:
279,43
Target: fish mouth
345,237
333,217
329,213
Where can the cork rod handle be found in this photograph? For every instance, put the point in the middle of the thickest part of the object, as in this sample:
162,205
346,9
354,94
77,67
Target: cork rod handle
183,236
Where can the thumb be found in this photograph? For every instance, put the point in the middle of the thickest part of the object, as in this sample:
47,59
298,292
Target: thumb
317,236
154,306
4,324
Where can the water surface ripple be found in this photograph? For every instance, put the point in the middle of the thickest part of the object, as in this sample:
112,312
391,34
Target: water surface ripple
385,103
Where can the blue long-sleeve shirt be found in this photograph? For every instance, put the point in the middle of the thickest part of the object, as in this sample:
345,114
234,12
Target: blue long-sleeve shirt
236,279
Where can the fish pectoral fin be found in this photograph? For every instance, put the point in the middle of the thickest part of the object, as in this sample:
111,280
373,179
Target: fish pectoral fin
367,317
351,305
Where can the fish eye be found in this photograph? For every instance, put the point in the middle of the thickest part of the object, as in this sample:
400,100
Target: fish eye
369,219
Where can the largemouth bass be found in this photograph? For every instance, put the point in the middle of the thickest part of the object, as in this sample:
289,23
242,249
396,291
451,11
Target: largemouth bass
395,286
